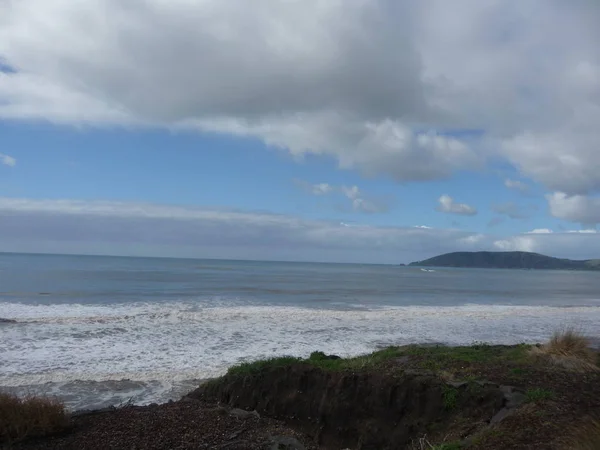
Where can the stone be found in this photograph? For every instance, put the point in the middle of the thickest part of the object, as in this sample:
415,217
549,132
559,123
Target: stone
515,399
501,415
286,443
241,414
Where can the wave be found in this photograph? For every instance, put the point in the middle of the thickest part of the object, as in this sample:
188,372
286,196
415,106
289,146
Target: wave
176,342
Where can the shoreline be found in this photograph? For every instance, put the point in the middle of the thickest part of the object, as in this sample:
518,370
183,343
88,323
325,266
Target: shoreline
286,394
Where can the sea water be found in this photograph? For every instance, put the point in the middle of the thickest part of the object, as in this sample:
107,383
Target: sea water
100,331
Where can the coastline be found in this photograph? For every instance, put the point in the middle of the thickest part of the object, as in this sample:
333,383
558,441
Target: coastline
481,396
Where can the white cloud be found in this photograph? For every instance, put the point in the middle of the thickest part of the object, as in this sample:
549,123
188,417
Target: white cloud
509,209
575,208
359,201
540,231
378,85
516,244
516,185
362,204
7,160
163,230
321,189
448,205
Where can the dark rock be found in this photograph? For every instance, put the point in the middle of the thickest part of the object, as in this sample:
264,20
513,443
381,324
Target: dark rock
286,443
501,415
351,410
241,414
512,400
515,399
235,434
7,320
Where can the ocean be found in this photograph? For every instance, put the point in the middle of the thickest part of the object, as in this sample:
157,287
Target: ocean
101,331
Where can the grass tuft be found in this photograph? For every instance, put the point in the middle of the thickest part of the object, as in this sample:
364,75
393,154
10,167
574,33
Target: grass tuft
570,350
448,446
587,437
22,418
538,394
450,397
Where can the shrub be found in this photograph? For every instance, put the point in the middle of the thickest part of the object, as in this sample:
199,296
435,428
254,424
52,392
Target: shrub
21,418
569,349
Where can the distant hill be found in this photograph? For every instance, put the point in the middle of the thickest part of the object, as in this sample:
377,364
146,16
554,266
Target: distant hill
507,260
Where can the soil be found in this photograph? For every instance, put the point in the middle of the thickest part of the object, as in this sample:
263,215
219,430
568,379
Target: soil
177,425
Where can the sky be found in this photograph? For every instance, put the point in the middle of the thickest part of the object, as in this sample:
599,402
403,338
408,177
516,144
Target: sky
375,131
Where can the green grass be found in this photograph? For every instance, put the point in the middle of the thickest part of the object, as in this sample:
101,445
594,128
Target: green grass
448,446
538,394
450,397
433,358
478,353
249,368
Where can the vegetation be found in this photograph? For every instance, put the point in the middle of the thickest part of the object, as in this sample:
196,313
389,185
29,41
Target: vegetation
569,349
448,446
450,396
21,418
507,260
538,394
438,358
587,437
248,368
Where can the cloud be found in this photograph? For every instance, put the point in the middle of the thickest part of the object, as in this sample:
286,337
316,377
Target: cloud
575,208
321,189
562,245
362,204
540,231
448,205
359,201
494,221
150,229
121,228
510,209
517,185
393,88
7,160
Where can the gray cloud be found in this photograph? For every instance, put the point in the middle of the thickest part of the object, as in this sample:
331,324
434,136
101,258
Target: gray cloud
448,205
575,208
381,86
163,230
510,209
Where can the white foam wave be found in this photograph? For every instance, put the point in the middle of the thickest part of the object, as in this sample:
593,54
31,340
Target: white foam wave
175,342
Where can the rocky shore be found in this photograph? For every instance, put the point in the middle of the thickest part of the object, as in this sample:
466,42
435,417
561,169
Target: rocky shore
415,397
